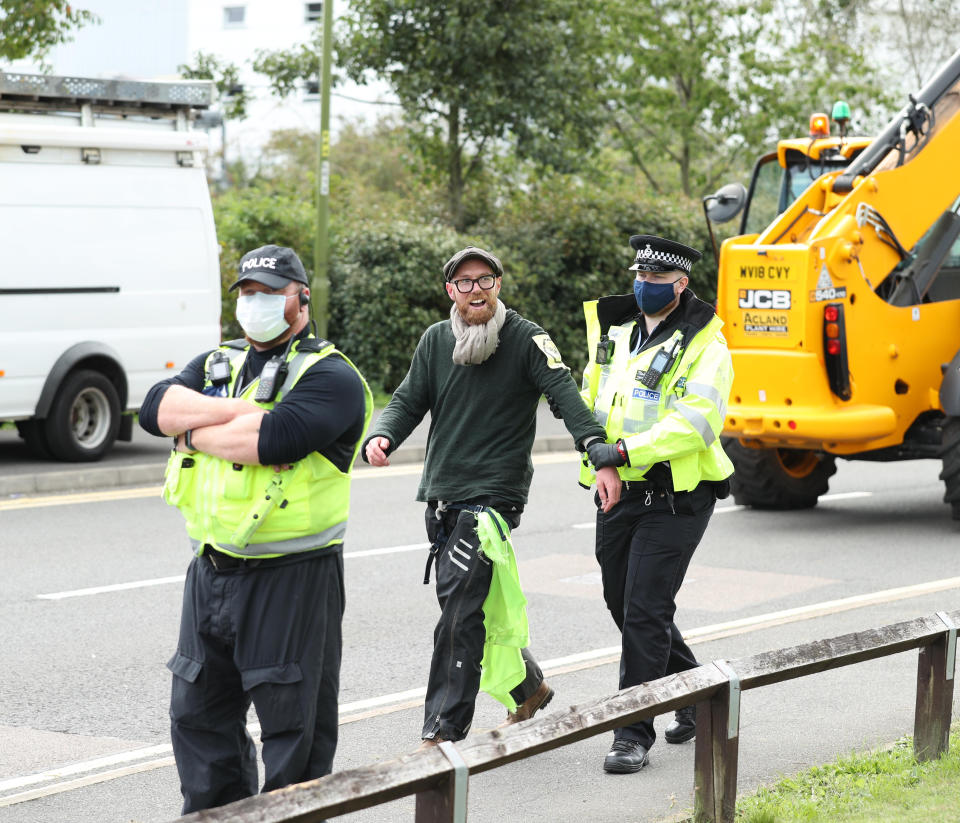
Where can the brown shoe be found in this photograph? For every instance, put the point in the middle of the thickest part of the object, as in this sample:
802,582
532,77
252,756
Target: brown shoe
429,743
530,706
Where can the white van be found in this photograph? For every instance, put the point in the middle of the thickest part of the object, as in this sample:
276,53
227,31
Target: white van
110,273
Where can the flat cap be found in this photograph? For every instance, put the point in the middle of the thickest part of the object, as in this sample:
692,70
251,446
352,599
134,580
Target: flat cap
450,267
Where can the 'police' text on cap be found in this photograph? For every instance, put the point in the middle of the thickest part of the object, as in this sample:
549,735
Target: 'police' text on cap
659,254
273,266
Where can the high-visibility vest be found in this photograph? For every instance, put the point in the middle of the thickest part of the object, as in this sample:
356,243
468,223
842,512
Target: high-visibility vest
679,420
254,511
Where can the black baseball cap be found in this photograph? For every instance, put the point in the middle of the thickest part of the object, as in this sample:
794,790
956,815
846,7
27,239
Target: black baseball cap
274,266
450,267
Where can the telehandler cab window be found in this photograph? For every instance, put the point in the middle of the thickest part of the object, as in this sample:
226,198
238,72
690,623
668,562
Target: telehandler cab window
931,272
773,188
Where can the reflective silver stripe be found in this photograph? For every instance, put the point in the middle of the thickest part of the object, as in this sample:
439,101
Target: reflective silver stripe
294,545
633,426
698,421
711,393
601,415
706,390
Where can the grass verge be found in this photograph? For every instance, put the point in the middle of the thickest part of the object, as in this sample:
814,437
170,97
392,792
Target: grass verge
887,786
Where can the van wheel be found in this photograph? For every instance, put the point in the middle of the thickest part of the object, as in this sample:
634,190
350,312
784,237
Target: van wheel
950,454
84,418
778,478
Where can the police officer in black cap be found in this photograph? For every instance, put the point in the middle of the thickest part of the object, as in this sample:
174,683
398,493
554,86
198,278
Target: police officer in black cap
658,380
266,429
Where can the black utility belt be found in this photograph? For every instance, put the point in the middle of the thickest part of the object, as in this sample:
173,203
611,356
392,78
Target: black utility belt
225,562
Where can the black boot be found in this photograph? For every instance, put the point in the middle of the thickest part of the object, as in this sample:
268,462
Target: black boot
683,727
625,756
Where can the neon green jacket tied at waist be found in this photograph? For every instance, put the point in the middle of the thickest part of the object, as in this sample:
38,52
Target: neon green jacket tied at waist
680,419
504,613
253,511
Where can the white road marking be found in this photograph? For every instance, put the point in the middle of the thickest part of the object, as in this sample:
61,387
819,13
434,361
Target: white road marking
106,496
160,581
116,587
410,547
411,698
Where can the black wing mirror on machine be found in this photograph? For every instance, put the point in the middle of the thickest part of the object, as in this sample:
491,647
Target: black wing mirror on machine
722,207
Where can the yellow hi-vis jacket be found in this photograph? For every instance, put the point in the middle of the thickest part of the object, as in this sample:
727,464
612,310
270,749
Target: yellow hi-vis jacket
678,420
253,511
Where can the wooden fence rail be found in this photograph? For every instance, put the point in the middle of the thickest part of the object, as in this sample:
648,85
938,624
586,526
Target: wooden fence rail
439,776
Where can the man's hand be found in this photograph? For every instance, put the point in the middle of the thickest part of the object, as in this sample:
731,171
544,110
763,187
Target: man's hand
181,445
605,454
376,451
609,486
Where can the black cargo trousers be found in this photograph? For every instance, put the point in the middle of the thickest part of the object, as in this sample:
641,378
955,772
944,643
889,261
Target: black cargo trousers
644,545
463,581
267,632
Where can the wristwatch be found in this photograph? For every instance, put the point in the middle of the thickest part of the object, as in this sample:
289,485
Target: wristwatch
187,440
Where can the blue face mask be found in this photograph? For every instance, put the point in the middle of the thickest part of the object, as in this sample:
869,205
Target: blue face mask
653,297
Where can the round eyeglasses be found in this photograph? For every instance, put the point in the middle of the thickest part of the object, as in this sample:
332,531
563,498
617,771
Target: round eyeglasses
465,286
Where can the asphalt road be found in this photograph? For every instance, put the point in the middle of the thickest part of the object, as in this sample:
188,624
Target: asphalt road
90,606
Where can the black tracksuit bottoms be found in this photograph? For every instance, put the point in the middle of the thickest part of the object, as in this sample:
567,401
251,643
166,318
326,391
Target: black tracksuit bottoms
463,581
644,545
269,634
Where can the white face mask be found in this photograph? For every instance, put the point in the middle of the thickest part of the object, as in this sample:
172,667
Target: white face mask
261,315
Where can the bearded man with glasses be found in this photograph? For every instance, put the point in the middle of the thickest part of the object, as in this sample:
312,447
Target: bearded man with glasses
480,374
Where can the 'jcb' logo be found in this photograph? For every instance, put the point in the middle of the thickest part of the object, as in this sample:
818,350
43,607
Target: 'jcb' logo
764,299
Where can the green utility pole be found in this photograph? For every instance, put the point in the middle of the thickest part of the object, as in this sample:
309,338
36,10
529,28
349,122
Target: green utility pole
321,251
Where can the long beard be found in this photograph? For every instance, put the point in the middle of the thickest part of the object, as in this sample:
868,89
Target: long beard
475,342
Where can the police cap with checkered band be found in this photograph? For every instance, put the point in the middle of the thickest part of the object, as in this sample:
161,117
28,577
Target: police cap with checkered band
659,254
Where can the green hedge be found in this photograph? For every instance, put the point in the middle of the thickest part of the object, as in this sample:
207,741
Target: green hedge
561,244
386,287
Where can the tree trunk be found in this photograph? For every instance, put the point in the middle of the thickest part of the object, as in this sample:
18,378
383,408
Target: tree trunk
455,181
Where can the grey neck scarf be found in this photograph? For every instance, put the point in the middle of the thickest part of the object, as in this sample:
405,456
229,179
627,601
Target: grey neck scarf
476,343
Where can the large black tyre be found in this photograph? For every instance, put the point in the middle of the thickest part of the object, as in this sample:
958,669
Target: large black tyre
950,454
84,418
778,478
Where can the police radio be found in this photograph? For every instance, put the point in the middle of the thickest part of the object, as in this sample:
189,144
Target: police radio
604,350
661,363
271,378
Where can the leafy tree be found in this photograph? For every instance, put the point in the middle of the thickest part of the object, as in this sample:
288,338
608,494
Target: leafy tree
233,97
471,76
30,28
918,35
698,88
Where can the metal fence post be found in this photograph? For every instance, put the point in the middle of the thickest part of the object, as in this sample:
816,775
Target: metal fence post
935,667
717,748
447,803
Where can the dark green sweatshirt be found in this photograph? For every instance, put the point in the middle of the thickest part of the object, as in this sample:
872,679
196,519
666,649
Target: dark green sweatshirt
483,418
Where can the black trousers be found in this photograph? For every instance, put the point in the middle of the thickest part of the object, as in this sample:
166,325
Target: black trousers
644,545
463,580
270,634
